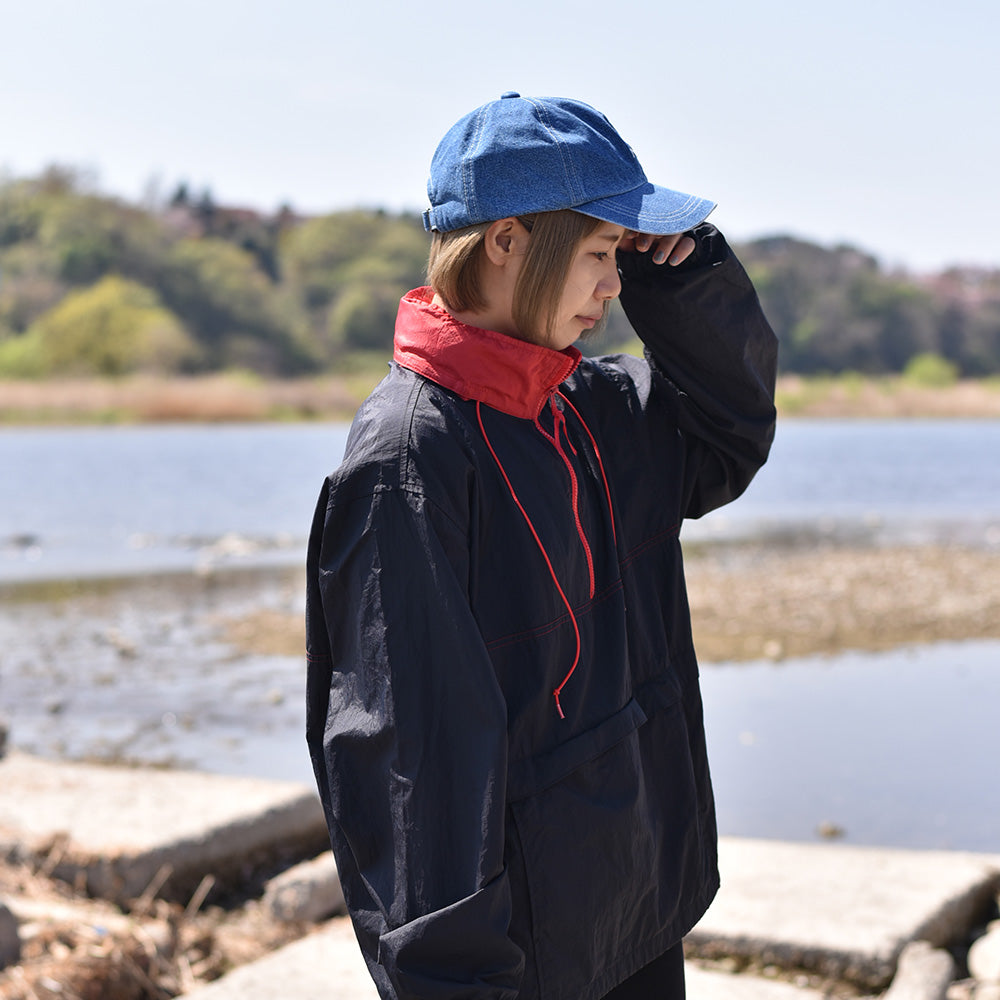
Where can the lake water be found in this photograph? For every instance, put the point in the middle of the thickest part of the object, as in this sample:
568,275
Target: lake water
895,748
94,501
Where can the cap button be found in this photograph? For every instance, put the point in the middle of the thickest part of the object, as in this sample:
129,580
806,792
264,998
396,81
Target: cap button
509,93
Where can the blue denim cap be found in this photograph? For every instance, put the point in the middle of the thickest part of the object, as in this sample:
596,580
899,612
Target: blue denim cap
520,155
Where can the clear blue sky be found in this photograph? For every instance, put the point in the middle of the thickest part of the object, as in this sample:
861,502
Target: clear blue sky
873,122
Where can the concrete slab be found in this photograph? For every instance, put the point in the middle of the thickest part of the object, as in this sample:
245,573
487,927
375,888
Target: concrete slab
309,891
703,984
328,965
841,910
117,829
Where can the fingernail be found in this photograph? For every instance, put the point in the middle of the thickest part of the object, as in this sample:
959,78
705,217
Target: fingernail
659,257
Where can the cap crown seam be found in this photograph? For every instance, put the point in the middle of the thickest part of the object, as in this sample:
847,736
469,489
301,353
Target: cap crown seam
569,165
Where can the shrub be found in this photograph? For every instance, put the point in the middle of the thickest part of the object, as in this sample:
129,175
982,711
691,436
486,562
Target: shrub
931,370
114,327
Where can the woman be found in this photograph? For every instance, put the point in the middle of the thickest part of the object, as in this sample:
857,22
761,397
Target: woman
504,715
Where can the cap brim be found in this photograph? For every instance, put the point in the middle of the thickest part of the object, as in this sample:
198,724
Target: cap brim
650,209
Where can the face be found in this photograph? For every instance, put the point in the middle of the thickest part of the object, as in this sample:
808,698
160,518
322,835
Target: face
591,284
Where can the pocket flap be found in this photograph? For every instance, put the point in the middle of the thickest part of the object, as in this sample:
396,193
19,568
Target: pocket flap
531,775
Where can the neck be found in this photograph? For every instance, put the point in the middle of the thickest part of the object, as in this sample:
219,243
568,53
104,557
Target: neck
490,317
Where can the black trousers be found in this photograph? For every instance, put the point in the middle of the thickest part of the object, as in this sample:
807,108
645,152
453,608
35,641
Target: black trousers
662,979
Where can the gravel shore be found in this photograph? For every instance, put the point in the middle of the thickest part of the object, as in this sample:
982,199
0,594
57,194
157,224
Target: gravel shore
206,671
751,602
758,602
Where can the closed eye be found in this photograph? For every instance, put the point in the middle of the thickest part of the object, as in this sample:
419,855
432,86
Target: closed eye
602,255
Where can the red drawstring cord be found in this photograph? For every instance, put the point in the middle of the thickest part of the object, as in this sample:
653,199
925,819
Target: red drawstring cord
548,562
558,420
600,463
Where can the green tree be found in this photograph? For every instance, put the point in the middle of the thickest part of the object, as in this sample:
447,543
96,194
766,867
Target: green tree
348,271
21,212
112,328
363,317
91,236
901,316
231,307
280,294
29,286
802,288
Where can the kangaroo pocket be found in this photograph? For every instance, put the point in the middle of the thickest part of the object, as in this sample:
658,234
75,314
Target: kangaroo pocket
606,836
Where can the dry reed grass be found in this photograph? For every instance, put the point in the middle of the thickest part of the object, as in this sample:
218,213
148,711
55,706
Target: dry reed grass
887,397
238,398
205,399
74,948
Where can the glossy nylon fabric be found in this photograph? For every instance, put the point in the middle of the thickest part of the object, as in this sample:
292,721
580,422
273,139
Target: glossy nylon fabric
487,847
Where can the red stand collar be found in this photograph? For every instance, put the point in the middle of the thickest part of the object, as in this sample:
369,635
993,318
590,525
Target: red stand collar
511,375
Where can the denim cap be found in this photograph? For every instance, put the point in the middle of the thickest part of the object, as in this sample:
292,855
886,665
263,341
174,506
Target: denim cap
520,155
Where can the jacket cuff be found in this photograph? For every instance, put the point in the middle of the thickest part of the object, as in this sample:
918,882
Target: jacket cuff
461,950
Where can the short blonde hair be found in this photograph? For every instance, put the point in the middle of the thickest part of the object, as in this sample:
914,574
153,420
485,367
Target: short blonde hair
453,267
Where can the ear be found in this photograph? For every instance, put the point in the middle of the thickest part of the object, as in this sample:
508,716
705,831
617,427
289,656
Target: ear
506,238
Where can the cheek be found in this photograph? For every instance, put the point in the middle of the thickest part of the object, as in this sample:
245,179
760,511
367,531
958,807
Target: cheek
577,287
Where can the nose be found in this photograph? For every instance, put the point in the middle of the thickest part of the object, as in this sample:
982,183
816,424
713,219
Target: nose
610,284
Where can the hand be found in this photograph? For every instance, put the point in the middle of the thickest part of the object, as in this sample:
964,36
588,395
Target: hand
673,248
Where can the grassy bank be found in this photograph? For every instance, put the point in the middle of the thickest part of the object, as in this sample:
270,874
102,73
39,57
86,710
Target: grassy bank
244,398
206,399
889,396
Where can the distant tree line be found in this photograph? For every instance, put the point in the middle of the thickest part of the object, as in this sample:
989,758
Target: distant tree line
92,285
838,310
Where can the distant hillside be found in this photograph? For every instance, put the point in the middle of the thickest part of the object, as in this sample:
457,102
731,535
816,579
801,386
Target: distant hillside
92,285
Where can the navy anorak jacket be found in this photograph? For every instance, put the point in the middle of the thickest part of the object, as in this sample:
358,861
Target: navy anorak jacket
504,714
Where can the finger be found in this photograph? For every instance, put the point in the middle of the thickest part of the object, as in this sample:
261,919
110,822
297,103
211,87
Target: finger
643,241
627,242
683,249
665,248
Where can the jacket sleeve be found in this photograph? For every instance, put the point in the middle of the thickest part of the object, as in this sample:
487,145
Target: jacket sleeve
407,734
706,336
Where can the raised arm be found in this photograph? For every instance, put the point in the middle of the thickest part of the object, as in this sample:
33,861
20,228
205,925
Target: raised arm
705,333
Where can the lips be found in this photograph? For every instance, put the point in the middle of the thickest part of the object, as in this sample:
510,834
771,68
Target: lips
590,321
